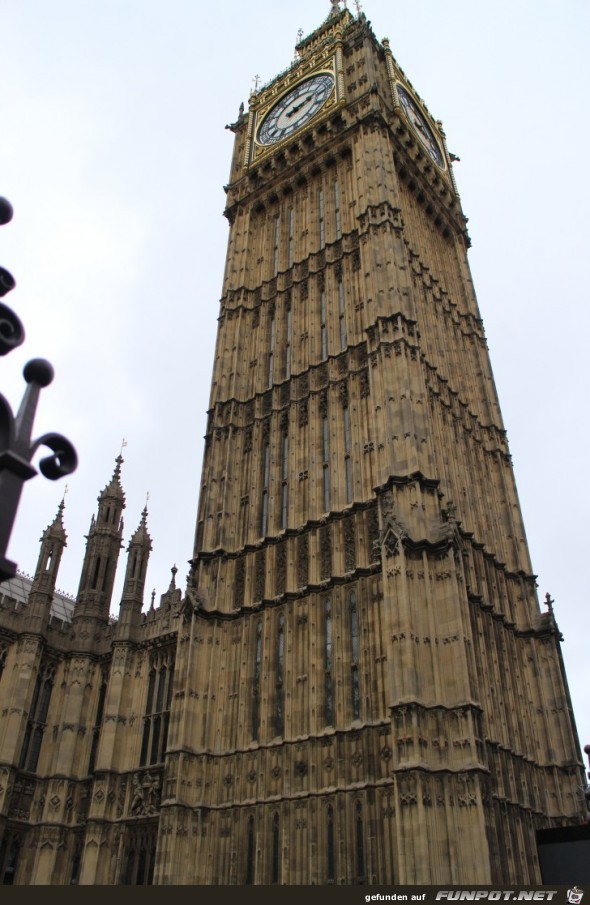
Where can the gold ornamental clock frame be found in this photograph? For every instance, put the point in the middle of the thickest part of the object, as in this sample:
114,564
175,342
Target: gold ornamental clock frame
315,59
262,106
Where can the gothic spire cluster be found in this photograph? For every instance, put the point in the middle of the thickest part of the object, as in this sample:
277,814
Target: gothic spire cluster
104,542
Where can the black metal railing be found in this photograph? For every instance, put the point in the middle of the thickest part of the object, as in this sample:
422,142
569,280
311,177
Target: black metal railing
17,446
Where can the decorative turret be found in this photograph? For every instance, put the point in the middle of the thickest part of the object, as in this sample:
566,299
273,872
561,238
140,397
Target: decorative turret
104,541
138,553
53,540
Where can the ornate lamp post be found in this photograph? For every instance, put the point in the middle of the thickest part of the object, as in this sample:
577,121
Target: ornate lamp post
17,447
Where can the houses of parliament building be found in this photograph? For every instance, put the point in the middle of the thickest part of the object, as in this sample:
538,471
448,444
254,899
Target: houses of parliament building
357,684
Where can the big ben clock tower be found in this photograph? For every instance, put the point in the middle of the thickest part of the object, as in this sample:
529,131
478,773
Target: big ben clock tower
366,689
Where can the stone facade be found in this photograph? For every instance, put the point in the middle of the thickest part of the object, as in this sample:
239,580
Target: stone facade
358,684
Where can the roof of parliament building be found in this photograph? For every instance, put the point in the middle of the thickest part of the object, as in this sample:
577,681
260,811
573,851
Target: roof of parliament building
15,595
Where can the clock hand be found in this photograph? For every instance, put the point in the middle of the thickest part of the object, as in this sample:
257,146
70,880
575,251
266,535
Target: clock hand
294,109
298,107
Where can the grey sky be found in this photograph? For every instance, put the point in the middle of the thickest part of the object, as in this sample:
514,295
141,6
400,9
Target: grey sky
114,154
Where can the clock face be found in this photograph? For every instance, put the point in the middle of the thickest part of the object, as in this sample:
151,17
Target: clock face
295,109
420,126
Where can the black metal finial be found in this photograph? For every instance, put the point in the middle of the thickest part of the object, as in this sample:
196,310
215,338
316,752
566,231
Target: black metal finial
17,447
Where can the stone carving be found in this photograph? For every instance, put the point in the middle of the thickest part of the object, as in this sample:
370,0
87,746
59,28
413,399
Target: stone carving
281,568
239,581
260,575
349,545
325,552
302,560
146,795
303,413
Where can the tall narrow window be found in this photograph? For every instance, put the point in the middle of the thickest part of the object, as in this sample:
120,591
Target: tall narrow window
9,855
76,860
323,325
271,354
280,694
250,852
337,209
275,266
265,488
288,330
140,856
31,747
285,482
326,463
322,223
341,316
291,226
330,853
94,584
328,685
3,655
347,460
256,683
276,850
97,726
354,665
360,844
157,714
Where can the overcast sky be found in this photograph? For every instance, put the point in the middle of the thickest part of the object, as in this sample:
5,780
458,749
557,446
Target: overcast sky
114,155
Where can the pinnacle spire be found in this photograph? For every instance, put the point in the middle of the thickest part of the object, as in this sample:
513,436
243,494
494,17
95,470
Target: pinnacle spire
114,488
141,532
56,528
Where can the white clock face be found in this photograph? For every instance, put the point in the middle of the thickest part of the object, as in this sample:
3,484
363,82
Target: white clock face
420,126
295,108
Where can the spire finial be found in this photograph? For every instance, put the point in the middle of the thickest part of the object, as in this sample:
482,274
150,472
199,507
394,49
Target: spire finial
335,7
119,461
62,505
549,603
174,570
152,607
256,81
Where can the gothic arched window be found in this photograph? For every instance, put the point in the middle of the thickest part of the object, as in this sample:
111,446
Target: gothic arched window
279,700
330,852
360,843
157,712
354,663
276,850
250,851
256,683
31,747
328,684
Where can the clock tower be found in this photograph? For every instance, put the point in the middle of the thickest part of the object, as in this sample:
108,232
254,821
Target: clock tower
366,689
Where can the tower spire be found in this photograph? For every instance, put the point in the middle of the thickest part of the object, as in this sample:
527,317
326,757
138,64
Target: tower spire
138,553
53,540
104,541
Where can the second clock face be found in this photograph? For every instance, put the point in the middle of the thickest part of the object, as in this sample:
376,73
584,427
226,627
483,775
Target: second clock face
295,109
420,125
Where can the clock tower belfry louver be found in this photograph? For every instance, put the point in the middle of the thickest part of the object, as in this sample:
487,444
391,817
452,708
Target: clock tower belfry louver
366,690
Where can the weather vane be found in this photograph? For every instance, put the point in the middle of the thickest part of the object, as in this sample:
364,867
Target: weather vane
299,37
